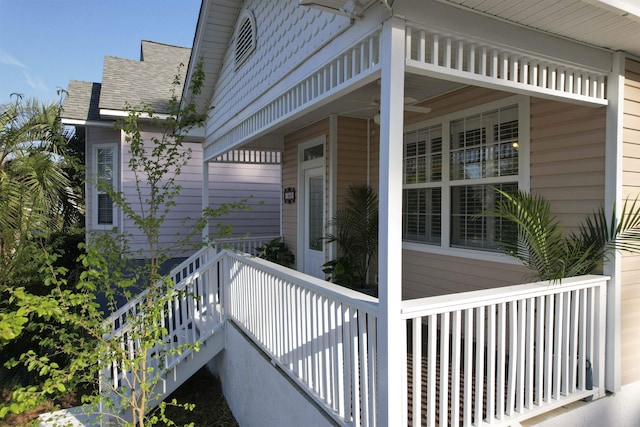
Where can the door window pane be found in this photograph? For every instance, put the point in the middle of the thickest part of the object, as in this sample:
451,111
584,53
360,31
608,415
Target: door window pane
316,217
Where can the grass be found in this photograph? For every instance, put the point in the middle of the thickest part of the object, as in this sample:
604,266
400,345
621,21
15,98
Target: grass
203,390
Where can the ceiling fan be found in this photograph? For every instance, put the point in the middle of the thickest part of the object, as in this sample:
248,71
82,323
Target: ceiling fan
409,105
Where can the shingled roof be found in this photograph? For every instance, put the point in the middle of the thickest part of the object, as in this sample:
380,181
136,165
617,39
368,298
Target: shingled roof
125,81
146,81
81,101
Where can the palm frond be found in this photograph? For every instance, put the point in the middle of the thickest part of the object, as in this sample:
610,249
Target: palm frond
356,227
537,242
541,244
628,229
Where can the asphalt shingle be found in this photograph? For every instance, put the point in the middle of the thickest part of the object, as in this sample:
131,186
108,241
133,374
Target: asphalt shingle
130,82
148,81
81,101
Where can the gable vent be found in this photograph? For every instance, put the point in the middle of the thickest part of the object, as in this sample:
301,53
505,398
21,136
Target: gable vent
245,38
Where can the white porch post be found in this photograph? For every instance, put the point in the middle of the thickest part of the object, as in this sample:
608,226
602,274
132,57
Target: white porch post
391,339
332,143
613,195
205,197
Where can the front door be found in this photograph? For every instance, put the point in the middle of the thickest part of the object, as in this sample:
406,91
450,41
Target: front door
313,220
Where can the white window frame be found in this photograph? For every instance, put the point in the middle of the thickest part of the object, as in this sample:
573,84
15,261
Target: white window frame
523,179
96,193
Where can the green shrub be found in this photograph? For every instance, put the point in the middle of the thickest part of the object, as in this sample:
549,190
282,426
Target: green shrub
277,251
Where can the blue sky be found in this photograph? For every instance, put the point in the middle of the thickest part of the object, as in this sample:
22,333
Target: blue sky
46,43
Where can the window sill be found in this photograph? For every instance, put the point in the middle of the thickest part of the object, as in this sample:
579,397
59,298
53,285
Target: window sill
461,253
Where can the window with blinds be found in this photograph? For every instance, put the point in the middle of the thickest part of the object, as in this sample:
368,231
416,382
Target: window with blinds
483,155
423,155
105,174
422,176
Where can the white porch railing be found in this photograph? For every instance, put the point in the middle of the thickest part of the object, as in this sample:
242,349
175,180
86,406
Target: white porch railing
189,316
505,354
322,335
452,56
494,357
248,245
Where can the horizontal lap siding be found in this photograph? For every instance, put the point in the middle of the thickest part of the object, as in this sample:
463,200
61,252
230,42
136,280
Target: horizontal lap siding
257,186
426,274
630,280
352,155
374,168
355,153
461,99
374,179
290,177
177,234
567,158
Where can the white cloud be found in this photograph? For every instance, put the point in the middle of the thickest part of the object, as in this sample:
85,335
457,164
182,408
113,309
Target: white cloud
34,81
31,78
7,58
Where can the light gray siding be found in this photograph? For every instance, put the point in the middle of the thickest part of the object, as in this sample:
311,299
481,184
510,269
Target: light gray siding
258,186
179,223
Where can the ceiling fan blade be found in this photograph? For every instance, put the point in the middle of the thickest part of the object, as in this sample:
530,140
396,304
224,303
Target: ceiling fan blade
359,110
417,109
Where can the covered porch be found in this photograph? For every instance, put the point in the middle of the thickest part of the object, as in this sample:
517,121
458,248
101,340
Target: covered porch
435,348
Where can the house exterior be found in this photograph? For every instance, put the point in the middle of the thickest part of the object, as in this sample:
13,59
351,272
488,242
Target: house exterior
435,104
93,108
530,95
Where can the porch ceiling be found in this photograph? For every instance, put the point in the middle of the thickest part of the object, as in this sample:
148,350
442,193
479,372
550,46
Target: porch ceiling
609,24
363,102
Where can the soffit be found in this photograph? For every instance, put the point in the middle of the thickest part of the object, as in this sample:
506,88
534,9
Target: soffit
593,22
